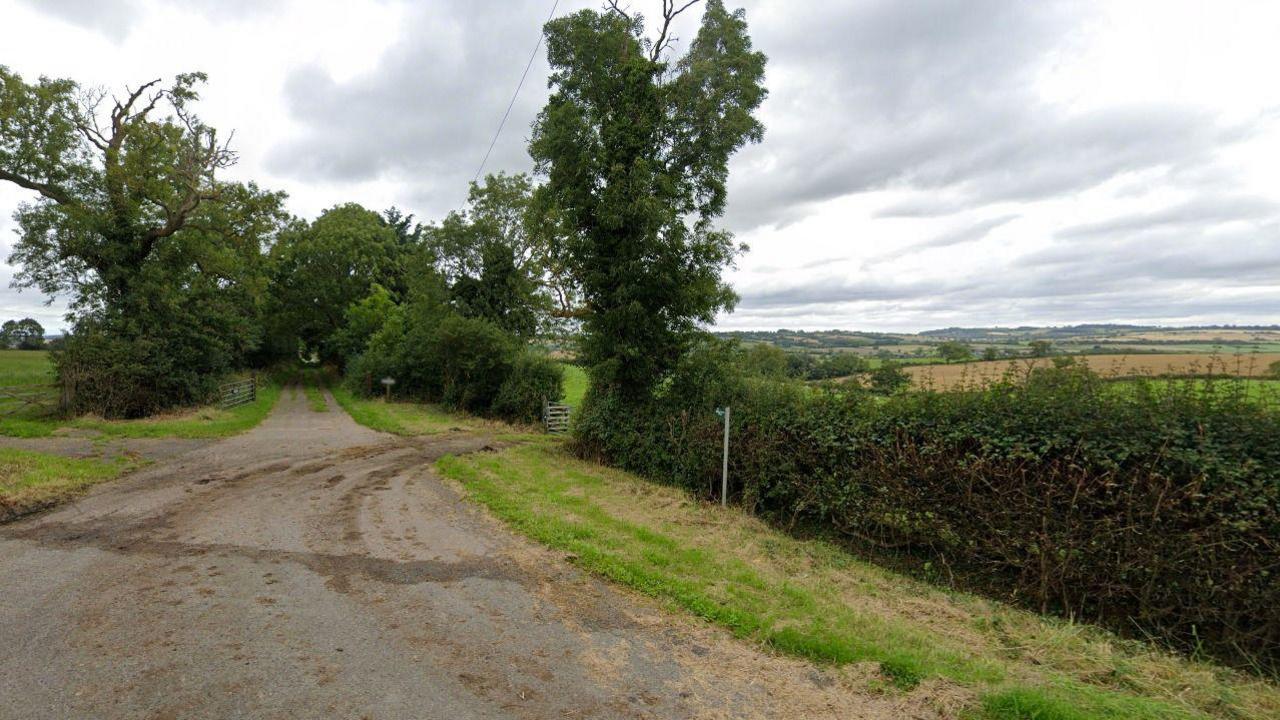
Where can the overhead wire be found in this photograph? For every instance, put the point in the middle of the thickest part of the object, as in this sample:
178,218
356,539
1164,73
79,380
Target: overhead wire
505,115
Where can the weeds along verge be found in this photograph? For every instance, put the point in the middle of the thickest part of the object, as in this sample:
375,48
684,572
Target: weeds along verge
1154,511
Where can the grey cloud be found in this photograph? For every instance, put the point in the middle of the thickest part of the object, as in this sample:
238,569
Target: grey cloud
112,18
939,96
1202,211
426,114
957,236
115,18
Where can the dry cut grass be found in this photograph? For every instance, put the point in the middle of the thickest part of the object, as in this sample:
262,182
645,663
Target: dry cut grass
943,377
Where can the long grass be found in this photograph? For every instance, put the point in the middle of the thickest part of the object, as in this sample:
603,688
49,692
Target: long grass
811,599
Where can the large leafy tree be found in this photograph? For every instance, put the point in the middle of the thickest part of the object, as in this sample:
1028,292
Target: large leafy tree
635,148
160,259
497,256
319,270
24,334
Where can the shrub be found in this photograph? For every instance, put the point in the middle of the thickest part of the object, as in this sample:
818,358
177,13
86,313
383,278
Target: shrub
475,357
888,379
1155,511
532,379
129,376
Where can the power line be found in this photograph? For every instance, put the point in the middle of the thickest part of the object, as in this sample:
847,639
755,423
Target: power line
514,95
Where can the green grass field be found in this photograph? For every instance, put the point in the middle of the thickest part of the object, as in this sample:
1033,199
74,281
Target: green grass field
575,384
31,481
811,599
25,367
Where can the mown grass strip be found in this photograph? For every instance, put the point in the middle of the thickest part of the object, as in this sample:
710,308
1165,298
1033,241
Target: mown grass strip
31,481
802,598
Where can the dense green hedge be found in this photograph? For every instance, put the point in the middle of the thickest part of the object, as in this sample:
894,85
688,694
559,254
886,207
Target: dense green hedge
1154,511
464,363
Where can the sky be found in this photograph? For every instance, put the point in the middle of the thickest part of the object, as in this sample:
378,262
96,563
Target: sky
925,164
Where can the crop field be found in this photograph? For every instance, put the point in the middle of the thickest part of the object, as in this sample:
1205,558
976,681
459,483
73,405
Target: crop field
1253,365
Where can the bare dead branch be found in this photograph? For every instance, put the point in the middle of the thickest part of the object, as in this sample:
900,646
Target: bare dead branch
669,13
613,5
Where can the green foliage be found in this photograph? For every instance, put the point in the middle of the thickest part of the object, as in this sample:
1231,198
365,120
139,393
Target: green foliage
132,224
990,353
954,351
531,380
1274,370
24,334
362,320
1153,510
632,147
1040,348
767,361
888,379
475,357
320,270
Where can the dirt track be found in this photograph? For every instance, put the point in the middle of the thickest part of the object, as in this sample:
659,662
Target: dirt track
312,568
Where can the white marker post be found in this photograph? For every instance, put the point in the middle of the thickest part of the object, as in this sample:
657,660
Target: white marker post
724,472
387,383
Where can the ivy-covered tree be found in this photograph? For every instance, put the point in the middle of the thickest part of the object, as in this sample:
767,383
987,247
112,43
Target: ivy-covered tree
158,257
635,147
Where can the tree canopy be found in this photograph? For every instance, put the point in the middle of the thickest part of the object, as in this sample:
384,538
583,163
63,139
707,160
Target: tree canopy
635,149
24,334
160,259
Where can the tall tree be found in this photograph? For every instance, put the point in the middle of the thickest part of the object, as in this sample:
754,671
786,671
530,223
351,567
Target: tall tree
496,255
157,255
636,149
320,269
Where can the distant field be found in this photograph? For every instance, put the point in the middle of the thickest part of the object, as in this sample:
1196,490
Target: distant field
575,384
947,376
24,372
25,367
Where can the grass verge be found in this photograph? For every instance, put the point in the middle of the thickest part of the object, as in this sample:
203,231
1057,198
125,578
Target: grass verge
811,599
206,422
397,418
411,418
315,397
31,481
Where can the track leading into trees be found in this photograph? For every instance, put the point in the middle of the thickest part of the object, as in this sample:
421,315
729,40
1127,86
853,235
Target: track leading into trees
314,568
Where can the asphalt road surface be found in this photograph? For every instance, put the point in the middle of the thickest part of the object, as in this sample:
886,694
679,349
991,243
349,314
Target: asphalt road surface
312,568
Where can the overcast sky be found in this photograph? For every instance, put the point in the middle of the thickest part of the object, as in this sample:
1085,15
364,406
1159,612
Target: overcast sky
925,164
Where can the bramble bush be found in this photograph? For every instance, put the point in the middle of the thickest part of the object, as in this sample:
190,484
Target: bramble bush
1154,510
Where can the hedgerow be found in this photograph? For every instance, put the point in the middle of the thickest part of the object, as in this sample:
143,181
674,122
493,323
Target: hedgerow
1154,511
